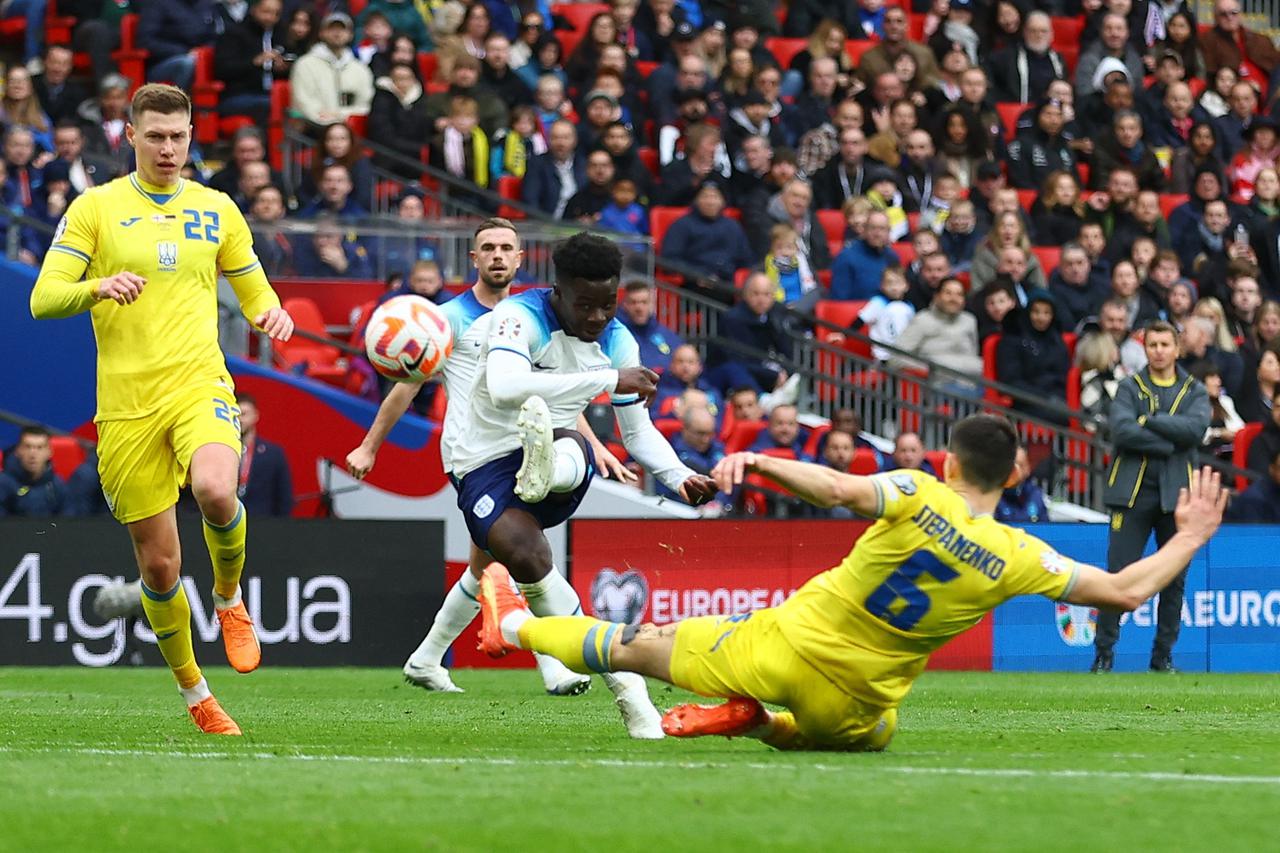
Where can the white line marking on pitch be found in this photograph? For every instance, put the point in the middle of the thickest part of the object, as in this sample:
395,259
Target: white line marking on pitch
489,761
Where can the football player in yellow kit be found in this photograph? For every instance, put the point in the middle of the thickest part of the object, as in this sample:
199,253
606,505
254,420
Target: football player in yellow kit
142,254
842,653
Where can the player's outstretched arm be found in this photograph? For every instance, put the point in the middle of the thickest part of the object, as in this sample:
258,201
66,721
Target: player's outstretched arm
1198,515
816,484
610,466
360,461
655,455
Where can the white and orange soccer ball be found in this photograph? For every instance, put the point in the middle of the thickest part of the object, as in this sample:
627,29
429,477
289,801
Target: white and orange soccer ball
408,339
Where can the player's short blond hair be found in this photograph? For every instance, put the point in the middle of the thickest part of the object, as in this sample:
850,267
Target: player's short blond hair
160,98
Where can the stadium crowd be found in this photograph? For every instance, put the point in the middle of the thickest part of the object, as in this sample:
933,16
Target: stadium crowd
1027,181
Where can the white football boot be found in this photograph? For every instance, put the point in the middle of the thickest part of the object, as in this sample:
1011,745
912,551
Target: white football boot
533,480
433,678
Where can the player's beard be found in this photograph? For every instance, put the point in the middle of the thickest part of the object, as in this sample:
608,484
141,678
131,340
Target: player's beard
505,279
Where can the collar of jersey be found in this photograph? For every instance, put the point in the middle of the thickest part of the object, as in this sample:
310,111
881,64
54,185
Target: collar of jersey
159,198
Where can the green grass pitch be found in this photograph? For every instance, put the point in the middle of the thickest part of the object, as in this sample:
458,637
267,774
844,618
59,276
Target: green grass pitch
356,760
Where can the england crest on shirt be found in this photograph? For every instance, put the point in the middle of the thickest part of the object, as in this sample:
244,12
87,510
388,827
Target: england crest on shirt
167,252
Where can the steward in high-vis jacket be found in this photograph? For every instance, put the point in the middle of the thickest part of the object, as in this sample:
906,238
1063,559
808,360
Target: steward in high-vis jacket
1157,420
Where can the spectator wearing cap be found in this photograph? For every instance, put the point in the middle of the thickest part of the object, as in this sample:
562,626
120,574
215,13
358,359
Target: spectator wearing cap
553,178
398,120
707,242
170,32
103,120
248,57
1023,72
676,72
1243,107
751,118
1113,43
881,58
1260,151
1229,44
857,269
599,110
329,83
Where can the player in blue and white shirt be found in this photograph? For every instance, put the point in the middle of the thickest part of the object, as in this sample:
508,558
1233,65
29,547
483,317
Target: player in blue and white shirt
520,467
496,256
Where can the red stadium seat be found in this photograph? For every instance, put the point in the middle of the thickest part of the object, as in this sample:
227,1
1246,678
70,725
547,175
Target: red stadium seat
649,157
814,441
67,454
743,435
1169,201
1070,339
1050,257
936,458
359,125
1009,112
644,69
1070,56
281,97
833,225
578,15
915,26
785,49
669,427
906,252
1026,198
509,188
428,63
1082,169
990,372
318,360
356,6
1240,451
1066,30
660,219
864,462
130,59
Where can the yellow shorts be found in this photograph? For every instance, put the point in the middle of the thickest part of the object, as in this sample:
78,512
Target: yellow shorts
747,656
143,462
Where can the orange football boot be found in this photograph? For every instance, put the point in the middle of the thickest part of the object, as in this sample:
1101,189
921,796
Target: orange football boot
735,717
211,719
243,652
497,599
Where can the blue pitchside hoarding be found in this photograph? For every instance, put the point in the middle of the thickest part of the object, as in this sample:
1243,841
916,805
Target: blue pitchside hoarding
1230,616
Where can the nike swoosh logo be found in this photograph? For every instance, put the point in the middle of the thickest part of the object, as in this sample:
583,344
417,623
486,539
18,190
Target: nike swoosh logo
127,222
166,636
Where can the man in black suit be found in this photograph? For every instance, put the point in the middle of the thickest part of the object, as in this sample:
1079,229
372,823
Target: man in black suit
556,176
266,487
1266,246
58,95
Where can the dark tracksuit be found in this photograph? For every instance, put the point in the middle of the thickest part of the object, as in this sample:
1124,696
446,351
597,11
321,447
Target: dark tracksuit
1156,431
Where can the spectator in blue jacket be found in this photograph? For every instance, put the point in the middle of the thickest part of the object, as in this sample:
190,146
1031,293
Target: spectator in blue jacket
753,339
782,432
170,32
857,270
684,373
266,488
707,242
696,444
28,486
1023,503
335,196
331,253
1260,503
908,453
656,341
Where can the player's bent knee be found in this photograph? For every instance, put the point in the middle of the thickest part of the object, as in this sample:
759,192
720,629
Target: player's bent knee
159,571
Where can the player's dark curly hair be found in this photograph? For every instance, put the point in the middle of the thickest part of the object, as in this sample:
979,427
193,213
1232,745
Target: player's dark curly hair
985,446
587,256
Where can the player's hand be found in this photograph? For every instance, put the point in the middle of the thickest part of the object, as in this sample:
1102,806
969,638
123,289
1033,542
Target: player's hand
611,468
360,462
732,470
637,380
123,287
276,323
1200,505
698,489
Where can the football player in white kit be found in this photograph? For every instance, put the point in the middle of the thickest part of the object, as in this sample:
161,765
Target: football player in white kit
520,468
497,256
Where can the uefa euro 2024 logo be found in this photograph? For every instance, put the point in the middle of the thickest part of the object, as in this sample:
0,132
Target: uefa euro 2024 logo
1077,624
619,596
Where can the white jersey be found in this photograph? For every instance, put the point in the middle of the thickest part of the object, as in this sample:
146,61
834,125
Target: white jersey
526,326
469,321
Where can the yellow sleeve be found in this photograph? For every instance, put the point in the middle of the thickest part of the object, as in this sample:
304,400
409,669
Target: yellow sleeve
1037,569
59,290
900,493
237,261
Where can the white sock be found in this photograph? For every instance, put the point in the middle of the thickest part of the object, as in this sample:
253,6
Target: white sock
459,608
552,596
223,603
510,626
620,682
195,694
571,466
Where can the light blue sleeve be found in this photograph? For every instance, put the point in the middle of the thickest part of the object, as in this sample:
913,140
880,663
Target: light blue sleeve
622,350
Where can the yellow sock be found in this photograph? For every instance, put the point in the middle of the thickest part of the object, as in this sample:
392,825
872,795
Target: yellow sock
579,642
170,616
226,550
784,733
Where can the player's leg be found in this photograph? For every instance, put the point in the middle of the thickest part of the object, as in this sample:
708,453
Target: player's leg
1169,609
425,668
159,556
554,461
206,443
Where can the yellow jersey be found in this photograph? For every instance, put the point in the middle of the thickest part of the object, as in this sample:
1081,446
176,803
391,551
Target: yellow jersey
924,572
178,241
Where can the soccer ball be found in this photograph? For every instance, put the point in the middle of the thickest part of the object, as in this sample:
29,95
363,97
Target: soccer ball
408,339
